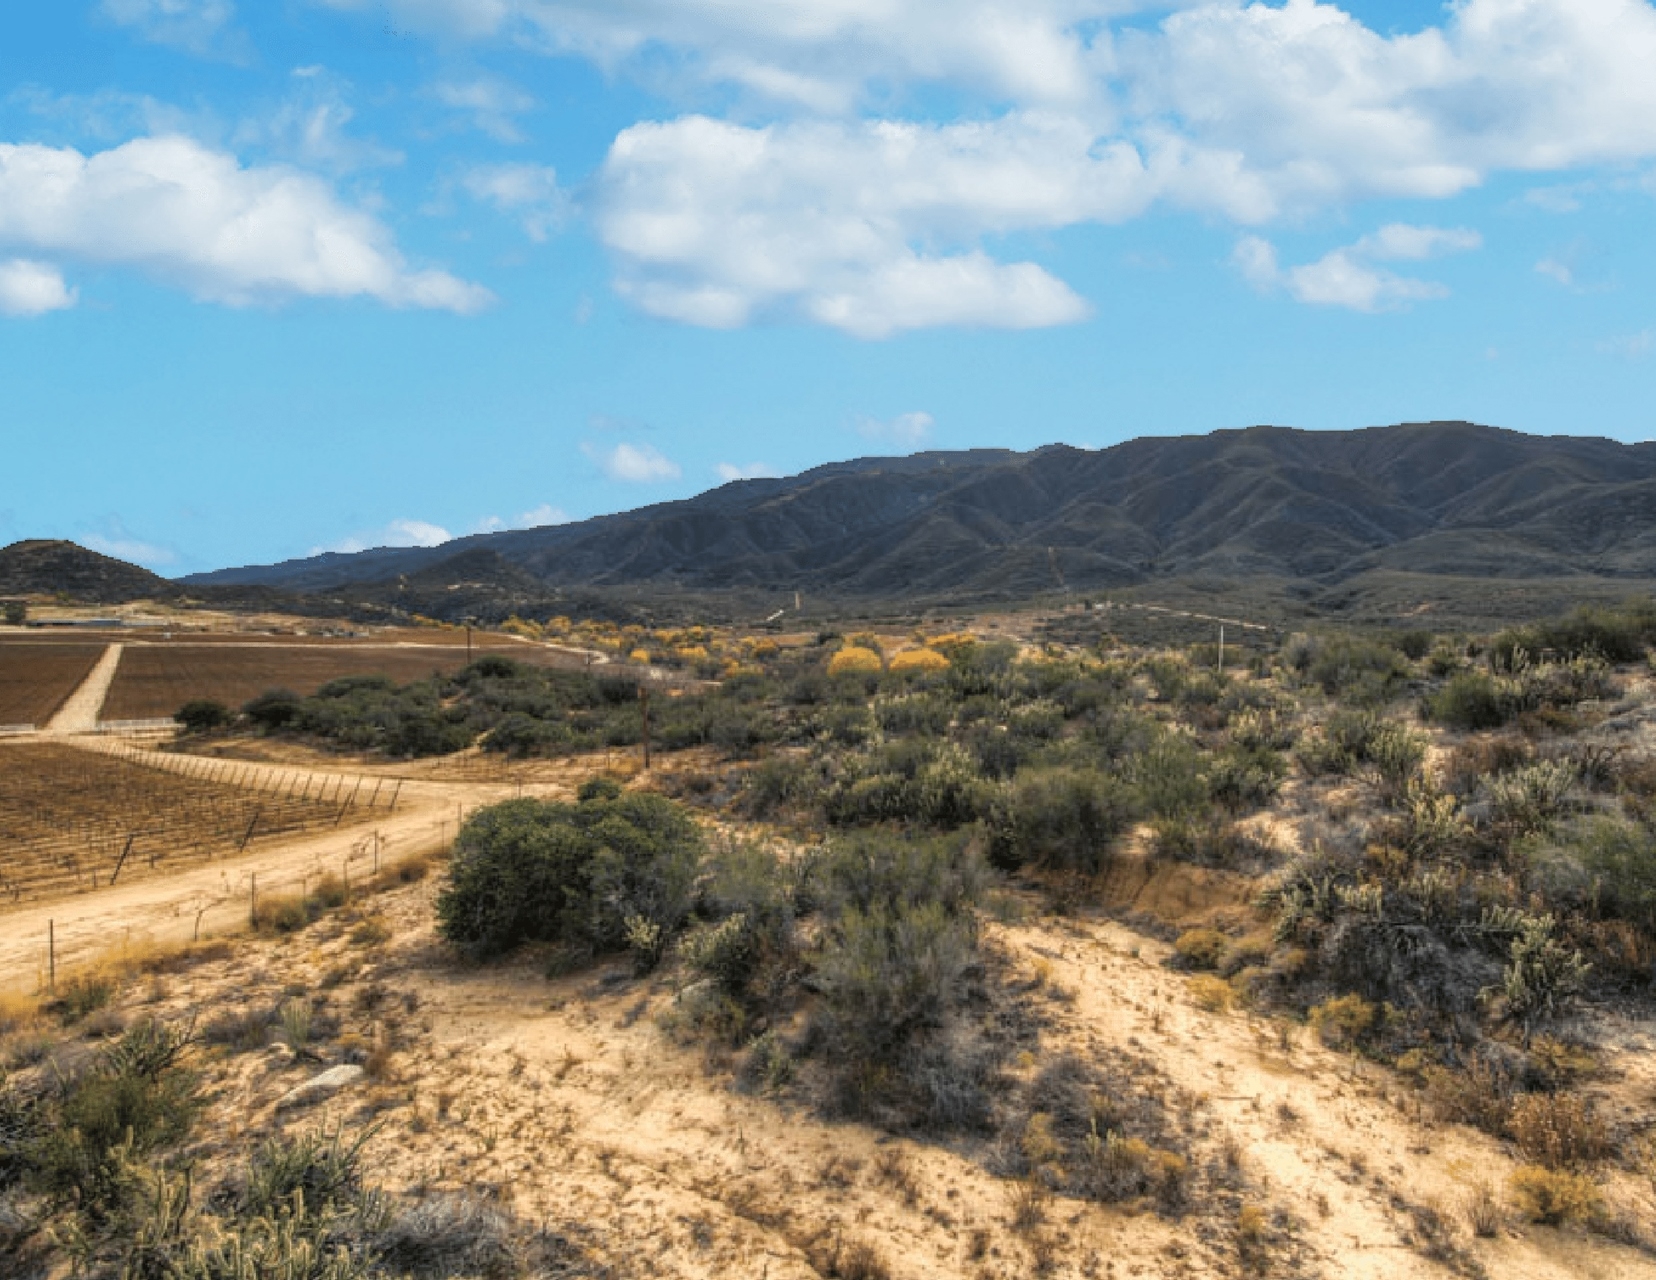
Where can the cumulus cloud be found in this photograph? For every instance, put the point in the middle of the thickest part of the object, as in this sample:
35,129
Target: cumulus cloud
1312,106
32,289
197,26
195,216
821,54
1254,112
398,533
907,429
1349,276
634,463
868,228
489,103
534,518
753,471
528,192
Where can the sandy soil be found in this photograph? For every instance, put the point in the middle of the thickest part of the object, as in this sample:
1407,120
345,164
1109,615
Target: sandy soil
567,1100
79,712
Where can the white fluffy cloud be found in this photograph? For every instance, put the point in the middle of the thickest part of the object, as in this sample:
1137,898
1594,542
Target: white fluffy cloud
821,54
529,192
199,26
634,463
907,429
1309,106
32,288
398,533
869,228
1253,112
227,233
534,518
1349,276
753,471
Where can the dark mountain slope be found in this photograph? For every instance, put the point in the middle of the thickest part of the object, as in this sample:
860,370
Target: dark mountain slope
45,567
1263,502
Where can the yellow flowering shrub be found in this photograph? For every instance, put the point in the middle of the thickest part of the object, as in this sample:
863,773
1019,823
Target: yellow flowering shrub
855,659
919,660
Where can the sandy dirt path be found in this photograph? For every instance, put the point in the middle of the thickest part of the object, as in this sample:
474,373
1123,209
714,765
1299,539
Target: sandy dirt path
80,713
570,1101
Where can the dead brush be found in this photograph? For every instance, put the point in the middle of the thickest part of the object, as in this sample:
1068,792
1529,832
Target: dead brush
1028,1202
1481,1208
836,1258
1559,1130
892,1167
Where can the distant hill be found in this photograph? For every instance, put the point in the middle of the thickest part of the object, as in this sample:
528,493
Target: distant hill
1322,507
46,567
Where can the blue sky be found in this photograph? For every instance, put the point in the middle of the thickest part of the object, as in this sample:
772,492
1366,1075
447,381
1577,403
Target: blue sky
327,274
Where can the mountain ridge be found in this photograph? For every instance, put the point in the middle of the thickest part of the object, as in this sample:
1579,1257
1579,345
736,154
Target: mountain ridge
1279,502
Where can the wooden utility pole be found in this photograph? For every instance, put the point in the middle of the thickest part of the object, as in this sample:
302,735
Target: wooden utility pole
644,702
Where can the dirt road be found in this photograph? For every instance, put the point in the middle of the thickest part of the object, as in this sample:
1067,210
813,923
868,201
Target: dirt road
79,714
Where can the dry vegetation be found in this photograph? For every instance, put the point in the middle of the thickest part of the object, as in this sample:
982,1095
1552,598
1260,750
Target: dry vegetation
1069,961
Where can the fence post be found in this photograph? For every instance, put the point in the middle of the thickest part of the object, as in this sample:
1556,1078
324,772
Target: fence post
121,861
51,956
248,835
252,900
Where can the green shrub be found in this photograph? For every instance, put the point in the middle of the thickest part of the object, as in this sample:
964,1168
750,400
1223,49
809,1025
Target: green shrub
135,1099
1169,777
1543,976
1351,667
871,872
1242,778
81,995
314,1174
1396,755
910,781
1529,798
201,715
1060,820
1471,701
272,709
535,871
887,974
1620,857
1619,635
